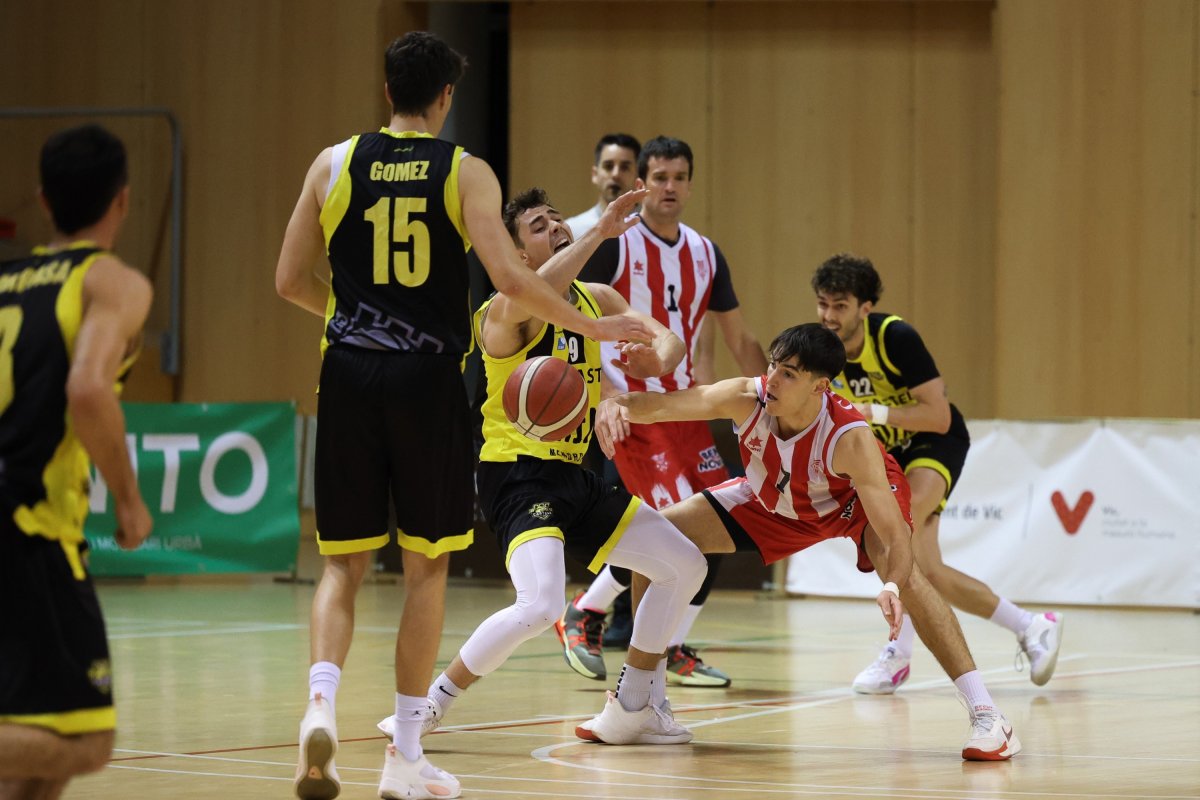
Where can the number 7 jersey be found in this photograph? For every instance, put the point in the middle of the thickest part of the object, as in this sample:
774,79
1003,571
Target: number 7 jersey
397,244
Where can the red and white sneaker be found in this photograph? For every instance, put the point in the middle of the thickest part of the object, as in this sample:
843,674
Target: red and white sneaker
650,725
885,675
415,780
316,776
992,737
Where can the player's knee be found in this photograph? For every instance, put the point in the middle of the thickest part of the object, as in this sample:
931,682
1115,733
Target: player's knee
540,612
692,566
91,752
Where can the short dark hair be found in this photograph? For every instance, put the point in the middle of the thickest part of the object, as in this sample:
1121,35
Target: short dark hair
418,65
82,171
846,273
818,349
513,209
663,147
620,140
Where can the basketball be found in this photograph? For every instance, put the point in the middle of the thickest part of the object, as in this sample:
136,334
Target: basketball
545,398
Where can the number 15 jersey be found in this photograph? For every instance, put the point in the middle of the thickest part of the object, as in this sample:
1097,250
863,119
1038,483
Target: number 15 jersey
397,243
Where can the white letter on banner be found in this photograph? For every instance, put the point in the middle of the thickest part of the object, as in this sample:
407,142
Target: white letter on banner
171,444
234,504
98,491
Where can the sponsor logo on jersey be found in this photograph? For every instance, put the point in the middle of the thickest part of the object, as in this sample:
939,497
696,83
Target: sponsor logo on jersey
660,461
754,445
639,268
710,459
817,466
541,511
562,343
848,511
100,675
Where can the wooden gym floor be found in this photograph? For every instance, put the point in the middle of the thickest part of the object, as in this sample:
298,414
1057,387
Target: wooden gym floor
211,681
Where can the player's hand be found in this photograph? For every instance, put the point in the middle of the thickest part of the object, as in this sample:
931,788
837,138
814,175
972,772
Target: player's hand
620,327
893,612
638,360
133,523
621,214
612,425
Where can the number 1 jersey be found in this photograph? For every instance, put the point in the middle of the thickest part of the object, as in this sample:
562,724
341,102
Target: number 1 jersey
397,244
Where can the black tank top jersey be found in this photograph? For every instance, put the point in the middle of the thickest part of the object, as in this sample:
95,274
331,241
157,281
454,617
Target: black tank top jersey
398,245
893,361
44,469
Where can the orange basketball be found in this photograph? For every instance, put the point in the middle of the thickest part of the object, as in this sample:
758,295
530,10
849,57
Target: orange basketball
545,398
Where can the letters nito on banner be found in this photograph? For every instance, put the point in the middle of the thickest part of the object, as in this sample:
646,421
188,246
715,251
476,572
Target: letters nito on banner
1092,512
220,482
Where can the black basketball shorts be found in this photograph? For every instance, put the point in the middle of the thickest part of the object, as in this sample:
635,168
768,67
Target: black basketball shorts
944,453
530,497
395,424
54,665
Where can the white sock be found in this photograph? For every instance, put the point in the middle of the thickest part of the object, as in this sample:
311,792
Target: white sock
410,713
1010,616
971,685
323,679
633,687
685,625
904,642
658,684
443,692
600,595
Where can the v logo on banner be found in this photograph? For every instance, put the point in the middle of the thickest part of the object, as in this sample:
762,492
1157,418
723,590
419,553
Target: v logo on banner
1072,518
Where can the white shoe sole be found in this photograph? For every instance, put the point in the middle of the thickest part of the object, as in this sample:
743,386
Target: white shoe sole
317,780
1043,675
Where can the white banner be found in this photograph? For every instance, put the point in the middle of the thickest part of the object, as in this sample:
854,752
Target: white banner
1100,512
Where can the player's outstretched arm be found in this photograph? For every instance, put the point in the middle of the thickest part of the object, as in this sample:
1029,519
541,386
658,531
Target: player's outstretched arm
930,412
116,300
565,265
637,360
480,193
730,399
859,457
304,243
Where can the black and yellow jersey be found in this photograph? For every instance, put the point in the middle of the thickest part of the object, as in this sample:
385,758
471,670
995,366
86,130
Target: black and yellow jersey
893,361
44,470
501,439
397,244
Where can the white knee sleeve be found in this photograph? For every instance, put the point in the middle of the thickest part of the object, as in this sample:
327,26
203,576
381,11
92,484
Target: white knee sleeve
538,573
676,568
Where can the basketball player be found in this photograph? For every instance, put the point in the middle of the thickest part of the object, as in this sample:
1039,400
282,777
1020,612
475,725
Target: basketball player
666,270
813,472
541,502
893,382
396,211
613,173
71,317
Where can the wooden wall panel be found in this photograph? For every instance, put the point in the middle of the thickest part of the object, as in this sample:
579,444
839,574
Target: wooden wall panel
811,120
1193,409
954,197
1094,210
580,70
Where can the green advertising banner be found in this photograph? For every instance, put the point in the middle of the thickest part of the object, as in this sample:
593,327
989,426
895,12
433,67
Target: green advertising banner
220,482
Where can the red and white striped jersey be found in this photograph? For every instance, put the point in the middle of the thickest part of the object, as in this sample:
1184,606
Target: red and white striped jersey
672,284
794,477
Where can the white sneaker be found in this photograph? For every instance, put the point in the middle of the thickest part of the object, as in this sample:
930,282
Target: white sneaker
1039,643
316,776
650,725
991,737
415,780
431,722
885,674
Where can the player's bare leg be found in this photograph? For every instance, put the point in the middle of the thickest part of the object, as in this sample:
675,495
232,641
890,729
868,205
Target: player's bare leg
991,737
32,756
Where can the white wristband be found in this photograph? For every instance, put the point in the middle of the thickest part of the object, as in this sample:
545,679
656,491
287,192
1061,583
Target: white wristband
879,413
891,587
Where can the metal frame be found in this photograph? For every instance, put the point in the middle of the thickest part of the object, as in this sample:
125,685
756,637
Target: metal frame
171,337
